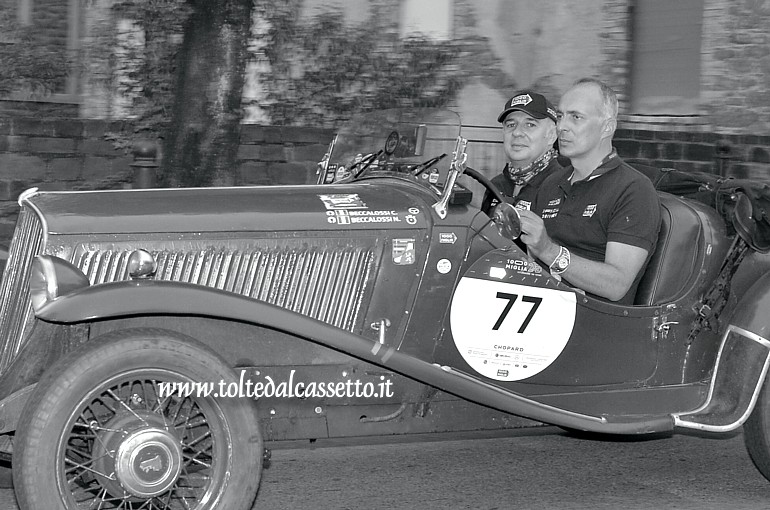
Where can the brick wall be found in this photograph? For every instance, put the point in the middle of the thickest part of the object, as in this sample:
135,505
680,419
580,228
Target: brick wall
54,154
74,155
731,155
281,155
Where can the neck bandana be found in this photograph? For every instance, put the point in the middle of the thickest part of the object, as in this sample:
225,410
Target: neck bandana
520,176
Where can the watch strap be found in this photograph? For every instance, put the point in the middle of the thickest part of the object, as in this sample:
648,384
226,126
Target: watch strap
561,262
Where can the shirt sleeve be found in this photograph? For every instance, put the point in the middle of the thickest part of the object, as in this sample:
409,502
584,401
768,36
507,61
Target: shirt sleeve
635,220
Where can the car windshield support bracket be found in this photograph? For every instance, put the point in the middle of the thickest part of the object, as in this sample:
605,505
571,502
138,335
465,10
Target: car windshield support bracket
456,168
714,300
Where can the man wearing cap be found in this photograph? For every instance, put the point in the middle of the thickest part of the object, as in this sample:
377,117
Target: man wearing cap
595,223
529,132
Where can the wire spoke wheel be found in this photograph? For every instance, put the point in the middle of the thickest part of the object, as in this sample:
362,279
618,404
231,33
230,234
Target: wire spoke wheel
127,447
116,440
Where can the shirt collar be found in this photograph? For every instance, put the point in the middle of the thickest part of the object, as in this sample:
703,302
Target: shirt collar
609,162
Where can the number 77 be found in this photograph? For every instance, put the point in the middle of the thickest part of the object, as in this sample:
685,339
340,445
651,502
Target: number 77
535,301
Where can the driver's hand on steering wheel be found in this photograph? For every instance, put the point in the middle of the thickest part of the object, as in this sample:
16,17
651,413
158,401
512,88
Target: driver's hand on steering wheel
535,236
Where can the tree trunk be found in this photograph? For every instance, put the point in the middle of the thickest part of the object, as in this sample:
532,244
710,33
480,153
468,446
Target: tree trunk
202,141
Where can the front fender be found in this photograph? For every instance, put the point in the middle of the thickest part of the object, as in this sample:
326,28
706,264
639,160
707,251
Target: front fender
151,297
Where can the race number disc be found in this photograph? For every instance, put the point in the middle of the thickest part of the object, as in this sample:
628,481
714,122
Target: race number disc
509,332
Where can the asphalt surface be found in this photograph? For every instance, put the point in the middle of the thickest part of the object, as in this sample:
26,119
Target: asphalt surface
530,469
536,468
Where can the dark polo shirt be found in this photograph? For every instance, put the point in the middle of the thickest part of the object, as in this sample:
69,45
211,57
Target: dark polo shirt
615,203
527,193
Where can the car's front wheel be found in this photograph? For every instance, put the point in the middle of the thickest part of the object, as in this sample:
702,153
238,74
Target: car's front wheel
98,433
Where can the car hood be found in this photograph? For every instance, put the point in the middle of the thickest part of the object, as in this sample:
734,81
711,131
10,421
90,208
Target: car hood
389,204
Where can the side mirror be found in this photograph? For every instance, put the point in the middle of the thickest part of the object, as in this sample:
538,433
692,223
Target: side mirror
507,220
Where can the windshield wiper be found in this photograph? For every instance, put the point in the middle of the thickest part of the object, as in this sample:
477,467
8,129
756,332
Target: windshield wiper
366,162
427,165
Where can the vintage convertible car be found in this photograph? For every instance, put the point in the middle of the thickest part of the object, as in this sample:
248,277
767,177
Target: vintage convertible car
155,342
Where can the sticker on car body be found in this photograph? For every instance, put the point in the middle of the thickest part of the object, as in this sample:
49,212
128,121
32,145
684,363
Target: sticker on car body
337,201
345,217
508,332
403,252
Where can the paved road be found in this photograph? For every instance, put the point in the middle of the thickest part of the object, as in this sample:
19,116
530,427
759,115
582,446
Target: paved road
540,468
533,469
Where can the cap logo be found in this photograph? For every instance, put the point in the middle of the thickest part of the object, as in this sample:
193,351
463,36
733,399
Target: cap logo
523,99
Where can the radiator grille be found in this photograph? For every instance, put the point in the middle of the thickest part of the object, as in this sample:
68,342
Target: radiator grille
326,282
15,307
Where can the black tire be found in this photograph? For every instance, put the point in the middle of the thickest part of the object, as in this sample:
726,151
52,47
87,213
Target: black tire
96,429
756,433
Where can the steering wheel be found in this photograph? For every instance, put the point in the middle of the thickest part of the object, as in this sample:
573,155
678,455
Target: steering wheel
489,185
505,216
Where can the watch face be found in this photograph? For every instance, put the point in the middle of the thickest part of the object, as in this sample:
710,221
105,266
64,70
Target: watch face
562,263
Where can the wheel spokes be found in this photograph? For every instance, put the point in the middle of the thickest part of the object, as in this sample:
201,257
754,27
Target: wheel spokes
108,418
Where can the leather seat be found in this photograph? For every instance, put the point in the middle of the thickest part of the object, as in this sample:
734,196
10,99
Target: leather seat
673,268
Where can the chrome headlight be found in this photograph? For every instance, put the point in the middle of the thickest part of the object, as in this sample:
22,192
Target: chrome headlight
52,277
141,264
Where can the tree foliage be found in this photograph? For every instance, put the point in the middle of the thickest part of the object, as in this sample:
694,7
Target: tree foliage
319,71
29,63
147,71
322,70
162,23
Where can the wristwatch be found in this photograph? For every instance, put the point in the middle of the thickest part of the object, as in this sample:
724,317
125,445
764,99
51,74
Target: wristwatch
561,262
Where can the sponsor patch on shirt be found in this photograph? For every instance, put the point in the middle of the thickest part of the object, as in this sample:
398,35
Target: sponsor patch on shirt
554,202
589,210
550,212
524,204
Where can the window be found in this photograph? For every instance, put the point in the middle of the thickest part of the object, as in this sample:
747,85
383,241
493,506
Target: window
665,70
50,31
355,12
25,12
430,18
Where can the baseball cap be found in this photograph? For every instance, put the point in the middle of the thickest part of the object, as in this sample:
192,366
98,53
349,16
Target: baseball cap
531,103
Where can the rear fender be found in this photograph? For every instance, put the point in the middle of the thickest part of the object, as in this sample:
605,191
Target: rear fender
741,366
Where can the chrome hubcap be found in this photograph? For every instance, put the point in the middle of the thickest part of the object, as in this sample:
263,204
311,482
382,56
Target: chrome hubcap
148,462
